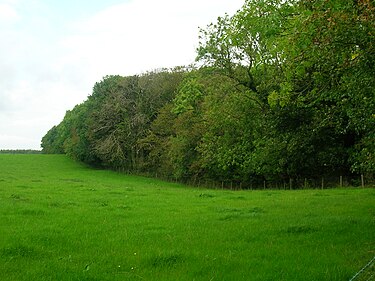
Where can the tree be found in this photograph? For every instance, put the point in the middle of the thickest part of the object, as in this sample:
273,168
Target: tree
330,72
52,143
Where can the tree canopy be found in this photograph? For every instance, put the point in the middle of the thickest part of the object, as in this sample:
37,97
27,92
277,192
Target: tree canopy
284,89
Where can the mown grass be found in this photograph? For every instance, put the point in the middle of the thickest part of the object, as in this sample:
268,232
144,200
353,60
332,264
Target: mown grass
60,220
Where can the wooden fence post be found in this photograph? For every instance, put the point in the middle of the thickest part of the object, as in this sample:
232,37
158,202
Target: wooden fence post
362,181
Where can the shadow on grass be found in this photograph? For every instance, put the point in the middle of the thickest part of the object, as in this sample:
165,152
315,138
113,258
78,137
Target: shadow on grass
19,251
166,261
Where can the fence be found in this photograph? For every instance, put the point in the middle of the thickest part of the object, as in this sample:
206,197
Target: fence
367,273
324,182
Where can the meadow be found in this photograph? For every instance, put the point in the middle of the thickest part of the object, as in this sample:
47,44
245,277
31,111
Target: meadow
61,220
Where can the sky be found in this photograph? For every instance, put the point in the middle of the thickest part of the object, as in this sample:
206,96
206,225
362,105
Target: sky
53,51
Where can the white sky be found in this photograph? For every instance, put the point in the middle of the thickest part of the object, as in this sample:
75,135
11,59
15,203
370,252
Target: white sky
53,51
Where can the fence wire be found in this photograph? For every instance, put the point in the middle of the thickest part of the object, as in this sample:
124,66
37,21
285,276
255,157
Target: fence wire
292,183
367,273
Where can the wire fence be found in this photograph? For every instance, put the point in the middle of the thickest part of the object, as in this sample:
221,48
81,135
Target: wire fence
323,182
366,273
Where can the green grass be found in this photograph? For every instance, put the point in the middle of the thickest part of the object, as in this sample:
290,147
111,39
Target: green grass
60,220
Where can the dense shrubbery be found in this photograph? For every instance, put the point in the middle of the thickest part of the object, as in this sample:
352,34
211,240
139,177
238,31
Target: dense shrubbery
286,90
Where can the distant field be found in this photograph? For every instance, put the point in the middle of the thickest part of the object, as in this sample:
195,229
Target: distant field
60,220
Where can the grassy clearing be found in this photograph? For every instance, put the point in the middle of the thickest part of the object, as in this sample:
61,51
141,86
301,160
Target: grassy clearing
60,220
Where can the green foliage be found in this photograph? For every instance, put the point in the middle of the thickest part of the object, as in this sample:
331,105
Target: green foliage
52,142
285,91
331,69
107,128
231,117
188,96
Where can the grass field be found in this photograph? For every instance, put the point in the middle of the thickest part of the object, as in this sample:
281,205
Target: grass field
60,220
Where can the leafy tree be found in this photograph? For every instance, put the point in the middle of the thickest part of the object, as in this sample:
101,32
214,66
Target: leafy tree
52,143
157,142
330,72
178,129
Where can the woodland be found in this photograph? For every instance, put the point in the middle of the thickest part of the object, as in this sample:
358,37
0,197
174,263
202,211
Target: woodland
281,90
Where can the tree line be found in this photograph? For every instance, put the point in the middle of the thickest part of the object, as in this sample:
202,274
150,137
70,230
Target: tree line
20,151
281,90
